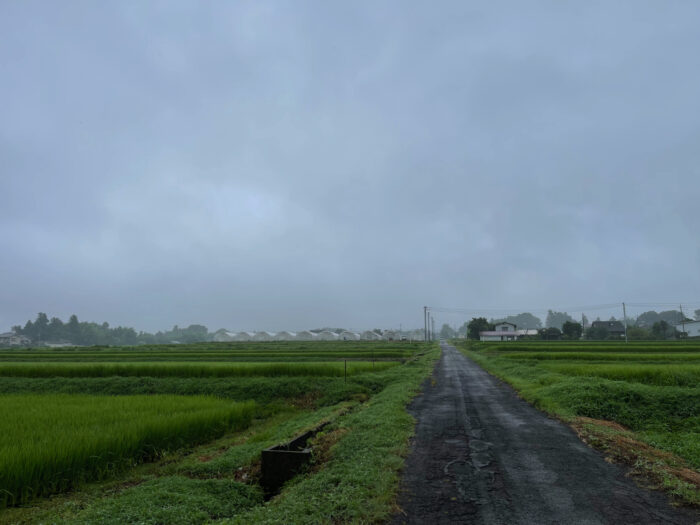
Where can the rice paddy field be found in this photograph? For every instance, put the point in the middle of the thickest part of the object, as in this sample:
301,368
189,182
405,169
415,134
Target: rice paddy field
173,433
649,392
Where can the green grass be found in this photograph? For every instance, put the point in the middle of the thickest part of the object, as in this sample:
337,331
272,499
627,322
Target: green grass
49,443
600,356
168,369
651,374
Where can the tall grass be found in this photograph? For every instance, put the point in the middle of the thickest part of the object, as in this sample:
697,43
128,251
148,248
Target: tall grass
650,374
600,356
171,369
49,443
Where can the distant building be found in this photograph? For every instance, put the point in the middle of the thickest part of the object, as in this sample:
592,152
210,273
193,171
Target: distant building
327,335
614,328
13,339
284,335
370,335
349,336
501,332
305,335
691,328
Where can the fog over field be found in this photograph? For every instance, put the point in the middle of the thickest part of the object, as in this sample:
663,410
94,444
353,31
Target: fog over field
289,165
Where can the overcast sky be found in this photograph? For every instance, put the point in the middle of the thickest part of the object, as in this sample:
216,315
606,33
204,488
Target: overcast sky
288,165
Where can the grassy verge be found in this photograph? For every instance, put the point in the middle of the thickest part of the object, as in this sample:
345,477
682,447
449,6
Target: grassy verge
654,428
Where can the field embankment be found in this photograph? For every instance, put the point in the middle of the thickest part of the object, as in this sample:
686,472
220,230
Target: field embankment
639,402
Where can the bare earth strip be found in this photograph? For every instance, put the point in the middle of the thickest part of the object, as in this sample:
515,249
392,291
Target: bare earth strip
482,455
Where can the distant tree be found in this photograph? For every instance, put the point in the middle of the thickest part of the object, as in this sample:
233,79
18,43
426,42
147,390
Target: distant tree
446,332
597,333
41,326
697,314
672,317
557,319
635,333
463,330
647,319
476,325
55,330
572,330
551,333
525,321
73,332
662,330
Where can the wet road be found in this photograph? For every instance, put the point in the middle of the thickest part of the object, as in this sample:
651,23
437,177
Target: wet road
481,455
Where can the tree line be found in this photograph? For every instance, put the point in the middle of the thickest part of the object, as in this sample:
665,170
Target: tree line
54,330
649,325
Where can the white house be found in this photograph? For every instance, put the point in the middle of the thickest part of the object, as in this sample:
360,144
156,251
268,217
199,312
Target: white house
13,339
692,328
501,332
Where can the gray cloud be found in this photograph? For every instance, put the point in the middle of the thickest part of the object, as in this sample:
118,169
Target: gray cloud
286,165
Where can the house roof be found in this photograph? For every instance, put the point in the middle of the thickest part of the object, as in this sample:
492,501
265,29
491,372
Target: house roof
506,322
617,325
495,332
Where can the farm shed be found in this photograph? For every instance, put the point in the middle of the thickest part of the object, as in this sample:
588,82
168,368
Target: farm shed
369,335
285,336
391,335
243,336
223,336
305,335
263,336
327,335
349,336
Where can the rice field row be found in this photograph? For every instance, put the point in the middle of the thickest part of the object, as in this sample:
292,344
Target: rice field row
600,356
153,356
185,369
50,443
650,374
345,347
687,347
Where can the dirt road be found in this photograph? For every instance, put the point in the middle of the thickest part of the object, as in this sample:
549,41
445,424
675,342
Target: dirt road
481,455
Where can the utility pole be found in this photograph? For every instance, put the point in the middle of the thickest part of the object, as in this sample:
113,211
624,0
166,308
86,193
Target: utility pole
433,325
624,317
425,323
682,319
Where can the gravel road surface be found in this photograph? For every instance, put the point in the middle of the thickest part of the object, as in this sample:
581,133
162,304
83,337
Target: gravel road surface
481,455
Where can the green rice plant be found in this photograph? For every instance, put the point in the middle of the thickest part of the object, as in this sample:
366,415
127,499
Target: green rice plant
650,374
599,356
50,443
586,346
185,369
